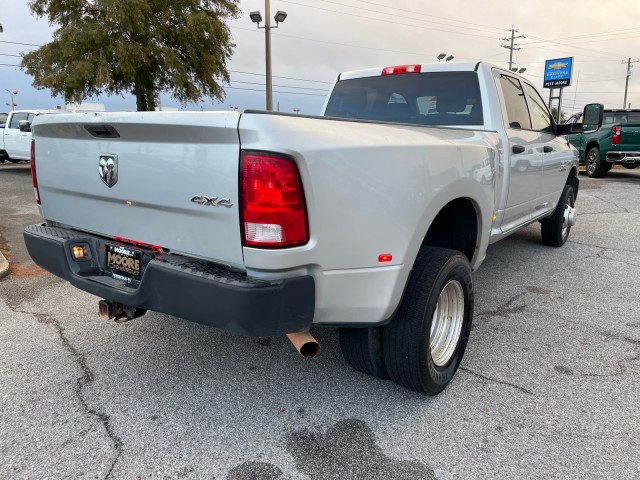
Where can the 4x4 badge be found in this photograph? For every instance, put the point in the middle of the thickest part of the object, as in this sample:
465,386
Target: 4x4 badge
108,169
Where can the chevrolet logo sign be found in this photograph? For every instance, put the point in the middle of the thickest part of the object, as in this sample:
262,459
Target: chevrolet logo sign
557,65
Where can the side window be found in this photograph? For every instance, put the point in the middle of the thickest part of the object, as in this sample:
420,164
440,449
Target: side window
517,111
15,120
539,113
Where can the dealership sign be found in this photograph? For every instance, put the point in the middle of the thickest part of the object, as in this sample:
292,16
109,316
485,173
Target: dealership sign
557,72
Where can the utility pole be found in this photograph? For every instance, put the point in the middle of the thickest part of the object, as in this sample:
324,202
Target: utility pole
511,45
626,85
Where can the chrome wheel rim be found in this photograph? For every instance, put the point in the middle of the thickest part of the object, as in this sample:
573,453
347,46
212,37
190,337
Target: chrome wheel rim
446,324
591,162
569,218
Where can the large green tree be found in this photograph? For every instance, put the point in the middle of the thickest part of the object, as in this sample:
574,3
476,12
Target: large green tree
143,47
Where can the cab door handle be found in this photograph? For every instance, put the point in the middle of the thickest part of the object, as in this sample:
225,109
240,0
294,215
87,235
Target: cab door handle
517,149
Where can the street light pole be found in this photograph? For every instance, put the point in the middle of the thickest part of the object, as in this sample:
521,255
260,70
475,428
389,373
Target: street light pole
15,92
267,44
279,17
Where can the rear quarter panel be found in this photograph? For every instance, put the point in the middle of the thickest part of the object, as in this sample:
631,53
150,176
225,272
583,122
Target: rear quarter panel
370,189
373,188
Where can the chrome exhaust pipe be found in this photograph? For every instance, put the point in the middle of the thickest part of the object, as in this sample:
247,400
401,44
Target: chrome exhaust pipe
119,312
305,344
108,310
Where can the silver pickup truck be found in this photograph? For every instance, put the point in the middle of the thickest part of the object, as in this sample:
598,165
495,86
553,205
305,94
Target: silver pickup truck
369,218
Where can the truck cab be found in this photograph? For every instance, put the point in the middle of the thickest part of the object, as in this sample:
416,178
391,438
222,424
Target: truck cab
16,142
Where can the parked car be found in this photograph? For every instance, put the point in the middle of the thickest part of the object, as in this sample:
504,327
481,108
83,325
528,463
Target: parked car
616,142
15,143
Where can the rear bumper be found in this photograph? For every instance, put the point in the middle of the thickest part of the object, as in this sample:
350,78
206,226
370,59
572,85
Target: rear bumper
192,289
623,157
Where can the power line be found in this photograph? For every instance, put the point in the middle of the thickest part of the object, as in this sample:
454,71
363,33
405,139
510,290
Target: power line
275,91
351,45
398,15
278,76
498,29
387,21
616,34
19,43
282,86
608,54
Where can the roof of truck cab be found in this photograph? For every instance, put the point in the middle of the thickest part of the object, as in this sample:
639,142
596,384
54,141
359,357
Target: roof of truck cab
424,67
37,111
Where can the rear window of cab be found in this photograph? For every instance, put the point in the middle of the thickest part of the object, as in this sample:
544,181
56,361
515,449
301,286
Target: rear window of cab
431,98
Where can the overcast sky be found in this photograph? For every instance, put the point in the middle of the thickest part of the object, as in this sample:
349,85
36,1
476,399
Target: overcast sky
321,38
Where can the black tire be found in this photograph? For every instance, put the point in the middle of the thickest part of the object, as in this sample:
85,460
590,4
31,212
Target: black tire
408,352
555,229
362,349
596,168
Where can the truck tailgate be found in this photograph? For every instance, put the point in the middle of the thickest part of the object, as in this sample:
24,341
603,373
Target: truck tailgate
630,137
167,162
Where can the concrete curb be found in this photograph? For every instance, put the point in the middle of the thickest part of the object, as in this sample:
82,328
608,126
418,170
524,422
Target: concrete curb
4,266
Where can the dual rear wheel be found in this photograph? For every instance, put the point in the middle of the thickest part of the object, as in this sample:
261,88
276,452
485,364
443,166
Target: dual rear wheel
423,345
421,348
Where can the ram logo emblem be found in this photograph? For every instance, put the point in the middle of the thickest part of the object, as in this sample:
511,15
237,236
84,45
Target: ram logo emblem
108,169
212,201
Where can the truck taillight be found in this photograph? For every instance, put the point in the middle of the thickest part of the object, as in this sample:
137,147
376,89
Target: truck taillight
272,202
617,133
34,177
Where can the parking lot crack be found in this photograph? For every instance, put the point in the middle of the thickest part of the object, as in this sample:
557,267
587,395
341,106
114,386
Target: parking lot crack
506,309
622,364
626,210
607,248
85,378
603,254
493,380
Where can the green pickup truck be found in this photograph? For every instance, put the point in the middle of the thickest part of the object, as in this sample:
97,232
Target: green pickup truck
617,141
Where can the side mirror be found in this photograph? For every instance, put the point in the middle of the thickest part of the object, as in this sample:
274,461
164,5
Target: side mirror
25,126
593,114
592,121
568,128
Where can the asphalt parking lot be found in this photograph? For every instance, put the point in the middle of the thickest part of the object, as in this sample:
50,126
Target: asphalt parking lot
548,387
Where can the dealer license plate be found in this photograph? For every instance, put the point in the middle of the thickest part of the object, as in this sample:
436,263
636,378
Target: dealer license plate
123,263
